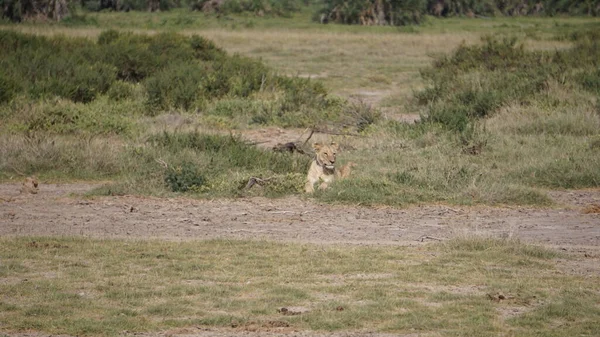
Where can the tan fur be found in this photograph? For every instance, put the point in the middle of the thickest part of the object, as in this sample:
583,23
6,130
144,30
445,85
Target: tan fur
30,185
322,169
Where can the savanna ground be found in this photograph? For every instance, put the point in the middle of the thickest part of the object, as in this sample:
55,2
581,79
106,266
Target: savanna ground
439,246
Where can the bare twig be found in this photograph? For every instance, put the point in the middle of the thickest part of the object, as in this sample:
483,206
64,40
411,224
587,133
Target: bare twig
288,147
262,83
162,162
310,135
423,237
257,181
17,171
256,143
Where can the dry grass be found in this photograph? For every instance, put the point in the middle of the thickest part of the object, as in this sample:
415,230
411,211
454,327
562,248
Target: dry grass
500,163
91,287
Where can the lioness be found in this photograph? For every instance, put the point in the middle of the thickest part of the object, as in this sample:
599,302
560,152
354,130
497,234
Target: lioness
323,167
30,185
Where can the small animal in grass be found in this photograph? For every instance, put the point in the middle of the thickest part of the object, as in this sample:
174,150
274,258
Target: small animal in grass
30,185
322,169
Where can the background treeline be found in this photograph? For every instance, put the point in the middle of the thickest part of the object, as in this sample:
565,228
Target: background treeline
258,7
402,12
18,10
364,12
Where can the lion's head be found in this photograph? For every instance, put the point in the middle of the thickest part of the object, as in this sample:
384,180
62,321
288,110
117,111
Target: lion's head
326,154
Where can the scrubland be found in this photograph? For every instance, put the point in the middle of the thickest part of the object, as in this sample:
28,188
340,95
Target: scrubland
158,104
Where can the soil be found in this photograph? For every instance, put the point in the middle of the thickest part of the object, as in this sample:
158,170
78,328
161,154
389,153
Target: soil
62,210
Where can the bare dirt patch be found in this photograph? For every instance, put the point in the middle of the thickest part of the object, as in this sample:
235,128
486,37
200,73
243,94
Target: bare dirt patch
62,210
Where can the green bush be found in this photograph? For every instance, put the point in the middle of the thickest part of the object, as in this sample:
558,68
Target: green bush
228,151
233,107
79,83
184,178
45,67
205,49
120,90
178,86
590,81
223,165
59,116
7,88
174,71
475,81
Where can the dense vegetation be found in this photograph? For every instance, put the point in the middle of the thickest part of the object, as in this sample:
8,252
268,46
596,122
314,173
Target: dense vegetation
151,74
476,81
364,12
54,90
402,12
18,10
500,121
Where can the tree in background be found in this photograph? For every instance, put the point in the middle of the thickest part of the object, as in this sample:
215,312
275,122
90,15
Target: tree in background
19,10
129,5
373,12
258,7
402,12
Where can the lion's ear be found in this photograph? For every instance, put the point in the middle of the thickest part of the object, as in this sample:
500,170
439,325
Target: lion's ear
317,146
335,146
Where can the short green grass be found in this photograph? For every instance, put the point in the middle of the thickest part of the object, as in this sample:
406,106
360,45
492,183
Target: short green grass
90,287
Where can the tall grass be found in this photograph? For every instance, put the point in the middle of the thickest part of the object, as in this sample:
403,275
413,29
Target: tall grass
500,124
502,121
210,165
475,81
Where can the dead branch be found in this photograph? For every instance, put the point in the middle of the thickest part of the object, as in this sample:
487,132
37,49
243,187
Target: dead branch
162,162
256,143
311,133
288,147
257,181
17,171
423,237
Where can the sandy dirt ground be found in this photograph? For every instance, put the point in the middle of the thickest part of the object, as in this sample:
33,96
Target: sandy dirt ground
573,225
61,210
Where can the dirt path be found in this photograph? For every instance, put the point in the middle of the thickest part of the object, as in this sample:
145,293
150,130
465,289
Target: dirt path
60,210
